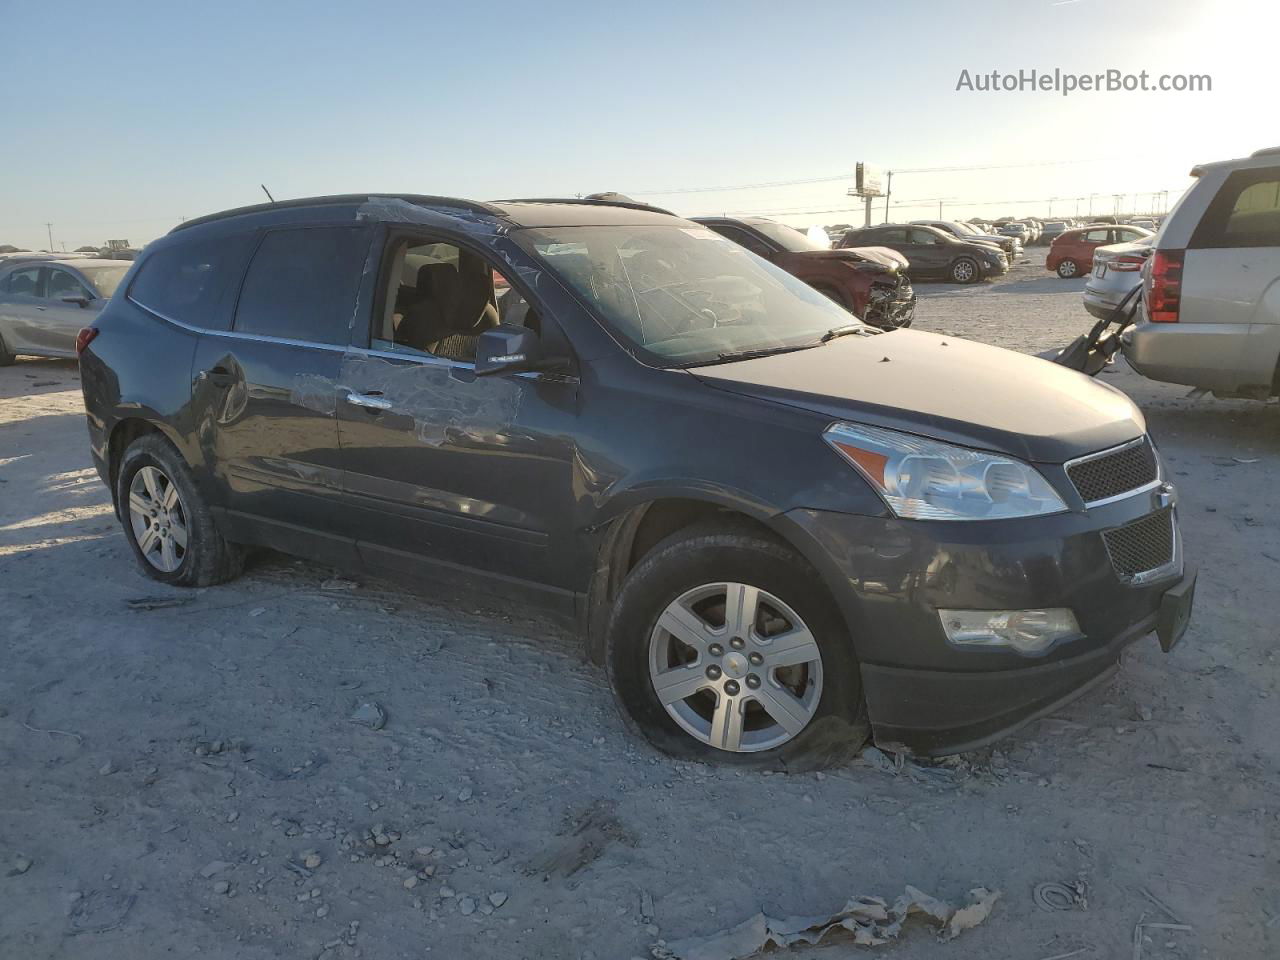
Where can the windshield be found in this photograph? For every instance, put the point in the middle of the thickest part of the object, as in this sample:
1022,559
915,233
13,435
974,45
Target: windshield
789,238
685,295
105,279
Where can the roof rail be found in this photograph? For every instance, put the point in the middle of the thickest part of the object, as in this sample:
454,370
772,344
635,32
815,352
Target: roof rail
592,202
474,206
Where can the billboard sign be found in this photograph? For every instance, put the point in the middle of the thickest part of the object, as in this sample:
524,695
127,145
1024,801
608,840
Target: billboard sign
869,181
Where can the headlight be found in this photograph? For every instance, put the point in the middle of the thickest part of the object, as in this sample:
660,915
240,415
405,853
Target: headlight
927,480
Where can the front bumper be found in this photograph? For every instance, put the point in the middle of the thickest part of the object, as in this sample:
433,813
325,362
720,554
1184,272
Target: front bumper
890,577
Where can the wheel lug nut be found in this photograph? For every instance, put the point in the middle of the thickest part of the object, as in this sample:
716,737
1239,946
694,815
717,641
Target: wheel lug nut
715,650
753,681
713,672
756,658
737,643
731,688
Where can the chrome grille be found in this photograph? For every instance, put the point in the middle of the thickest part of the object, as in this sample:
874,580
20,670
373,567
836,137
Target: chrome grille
1142,546
1111,473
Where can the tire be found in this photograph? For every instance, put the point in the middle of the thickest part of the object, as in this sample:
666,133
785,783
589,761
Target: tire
6,358
965,270
1068,269
826,694
150,471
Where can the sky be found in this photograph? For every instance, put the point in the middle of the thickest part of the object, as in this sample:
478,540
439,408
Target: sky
122,118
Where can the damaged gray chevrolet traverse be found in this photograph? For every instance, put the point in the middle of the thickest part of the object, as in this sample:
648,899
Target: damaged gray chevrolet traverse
779,530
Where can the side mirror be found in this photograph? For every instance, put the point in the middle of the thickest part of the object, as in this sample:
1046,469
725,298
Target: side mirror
507,349
81,302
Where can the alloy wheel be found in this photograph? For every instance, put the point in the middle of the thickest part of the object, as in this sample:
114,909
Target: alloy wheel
962,271
1067,268
735,667
158,518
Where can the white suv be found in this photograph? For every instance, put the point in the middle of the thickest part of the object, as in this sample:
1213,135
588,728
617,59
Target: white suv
1210,311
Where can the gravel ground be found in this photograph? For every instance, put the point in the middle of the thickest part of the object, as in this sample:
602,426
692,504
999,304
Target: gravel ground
186,779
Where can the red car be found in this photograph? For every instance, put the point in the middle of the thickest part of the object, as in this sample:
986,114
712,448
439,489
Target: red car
1071,254
870,282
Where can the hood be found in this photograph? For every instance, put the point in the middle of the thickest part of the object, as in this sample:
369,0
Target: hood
881,256
943,388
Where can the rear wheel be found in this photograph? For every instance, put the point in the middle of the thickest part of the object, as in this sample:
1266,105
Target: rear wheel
723,645
964,270
167,522
1068,269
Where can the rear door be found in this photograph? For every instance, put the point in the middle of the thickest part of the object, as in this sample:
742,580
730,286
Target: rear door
21,305
268,388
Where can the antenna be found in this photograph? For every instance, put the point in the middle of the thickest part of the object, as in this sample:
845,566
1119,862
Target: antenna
267,192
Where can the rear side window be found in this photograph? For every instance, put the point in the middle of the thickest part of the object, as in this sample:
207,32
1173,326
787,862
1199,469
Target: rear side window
302,284
190,282
1245,213
25,282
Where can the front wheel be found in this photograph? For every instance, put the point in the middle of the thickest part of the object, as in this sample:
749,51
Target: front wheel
964,270
1068,269
724,645
6,358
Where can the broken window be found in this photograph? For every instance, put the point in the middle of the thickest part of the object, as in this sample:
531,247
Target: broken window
440,298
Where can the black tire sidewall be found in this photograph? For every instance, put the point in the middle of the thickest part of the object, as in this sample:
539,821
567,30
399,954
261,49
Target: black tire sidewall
838,728
152,451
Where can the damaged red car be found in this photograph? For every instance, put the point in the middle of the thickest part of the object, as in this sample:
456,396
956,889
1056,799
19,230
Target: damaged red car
870,282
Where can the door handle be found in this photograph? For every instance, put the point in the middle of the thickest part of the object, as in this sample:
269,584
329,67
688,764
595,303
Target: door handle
369,401
217,376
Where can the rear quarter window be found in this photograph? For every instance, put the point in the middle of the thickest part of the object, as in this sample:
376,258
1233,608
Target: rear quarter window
192,282
302,284
1245,213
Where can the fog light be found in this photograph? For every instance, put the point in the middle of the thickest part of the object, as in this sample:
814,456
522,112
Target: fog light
1026,631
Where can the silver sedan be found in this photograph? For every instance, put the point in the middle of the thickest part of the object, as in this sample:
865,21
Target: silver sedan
45,301
1116,271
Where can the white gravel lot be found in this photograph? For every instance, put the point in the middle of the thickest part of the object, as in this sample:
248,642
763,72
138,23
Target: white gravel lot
165,773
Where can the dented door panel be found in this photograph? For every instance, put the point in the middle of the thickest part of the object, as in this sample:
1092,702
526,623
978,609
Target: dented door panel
450,469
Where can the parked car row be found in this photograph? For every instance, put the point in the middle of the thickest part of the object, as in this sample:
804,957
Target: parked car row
935,253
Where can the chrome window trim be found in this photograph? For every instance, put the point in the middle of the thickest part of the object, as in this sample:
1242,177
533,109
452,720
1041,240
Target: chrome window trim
424,359
1145,488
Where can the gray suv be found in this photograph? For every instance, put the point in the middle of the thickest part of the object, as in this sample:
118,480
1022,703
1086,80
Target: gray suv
1210,315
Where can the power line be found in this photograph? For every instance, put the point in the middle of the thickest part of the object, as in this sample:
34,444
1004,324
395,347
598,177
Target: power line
849,176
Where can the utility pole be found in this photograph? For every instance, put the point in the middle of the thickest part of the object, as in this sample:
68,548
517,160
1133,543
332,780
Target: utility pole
888,190
1051,199
1118,199
1091,196
49,227
939,209
1077,207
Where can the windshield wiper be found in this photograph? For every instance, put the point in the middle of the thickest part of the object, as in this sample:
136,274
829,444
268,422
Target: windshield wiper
842,331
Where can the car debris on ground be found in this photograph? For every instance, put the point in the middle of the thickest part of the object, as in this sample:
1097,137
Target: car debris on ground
871,920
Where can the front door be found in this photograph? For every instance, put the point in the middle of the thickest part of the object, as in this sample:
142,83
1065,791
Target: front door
267,392
930,251
446,471
64,312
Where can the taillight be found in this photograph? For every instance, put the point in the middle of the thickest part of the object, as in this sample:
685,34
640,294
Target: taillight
84,338
1164,289
1126,263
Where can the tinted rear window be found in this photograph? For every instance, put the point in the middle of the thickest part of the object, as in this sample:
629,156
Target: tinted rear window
302,284
190,282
